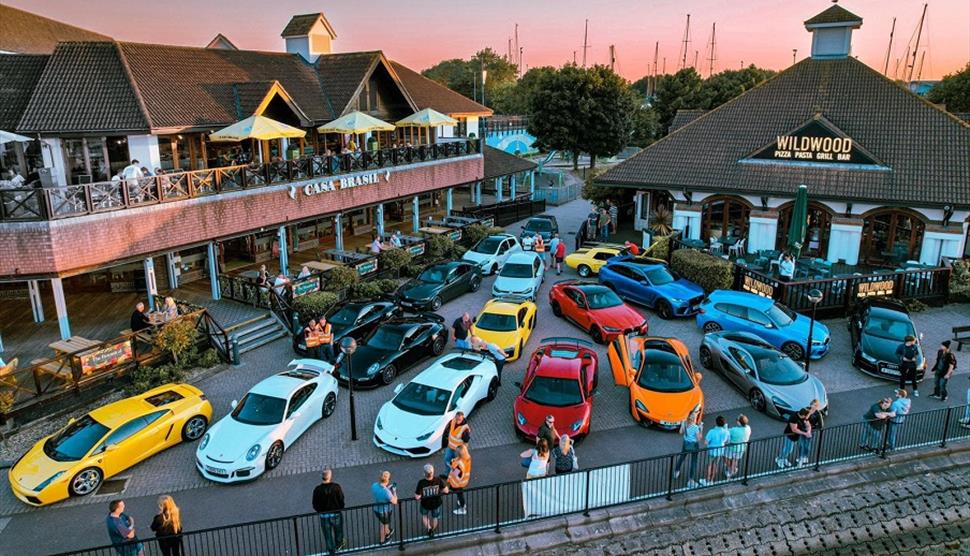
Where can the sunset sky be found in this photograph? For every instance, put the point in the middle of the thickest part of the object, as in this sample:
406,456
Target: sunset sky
420,33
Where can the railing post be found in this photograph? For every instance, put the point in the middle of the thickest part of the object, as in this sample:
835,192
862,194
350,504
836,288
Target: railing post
946,426
296,536
400,526
670,478
498,506
885,439
747,465
586,508
818,450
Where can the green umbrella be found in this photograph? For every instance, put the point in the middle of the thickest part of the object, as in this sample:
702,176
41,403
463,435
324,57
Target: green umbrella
799,222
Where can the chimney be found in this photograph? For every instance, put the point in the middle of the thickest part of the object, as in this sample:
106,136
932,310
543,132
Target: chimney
309,35
832,32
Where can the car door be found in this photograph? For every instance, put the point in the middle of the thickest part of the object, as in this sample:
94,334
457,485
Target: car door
633,285
600,257
618,352
129,443
856,323
741,370
299,414
575,308
761,325
504,250
522,322
732,317
538,272
463,399
411,351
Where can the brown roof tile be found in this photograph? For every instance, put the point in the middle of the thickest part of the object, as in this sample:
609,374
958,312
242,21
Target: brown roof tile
249,95
28,33
302,24
428,93
834,14
342,74
500,163
684,117
924,147
19,74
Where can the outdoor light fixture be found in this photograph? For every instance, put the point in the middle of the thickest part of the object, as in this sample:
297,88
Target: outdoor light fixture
848,209
688,196
764,203
814,296
947,214
347,347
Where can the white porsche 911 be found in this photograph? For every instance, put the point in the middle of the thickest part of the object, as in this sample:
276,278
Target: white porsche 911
413,423
267,421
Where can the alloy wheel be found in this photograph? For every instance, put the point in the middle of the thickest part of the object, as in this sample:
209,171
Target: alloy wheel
274,456
194,428
86,482
757,399
329,404
388,374
711,326
706,360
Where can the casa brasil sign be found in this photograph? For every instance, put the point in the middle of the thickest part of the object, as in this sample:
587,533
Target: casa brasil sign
347,182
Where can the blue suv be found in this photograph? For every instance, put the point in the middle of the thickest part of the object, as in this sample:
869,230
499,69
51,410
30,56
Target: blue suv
771,321
654,286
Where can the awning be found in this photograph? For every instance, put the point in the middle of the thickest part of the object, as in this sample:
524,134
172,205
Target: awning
256,127
427,118
7,137
355,122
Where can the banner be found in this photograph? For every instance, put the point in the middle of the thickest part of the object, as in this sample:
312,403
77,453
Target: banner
109,356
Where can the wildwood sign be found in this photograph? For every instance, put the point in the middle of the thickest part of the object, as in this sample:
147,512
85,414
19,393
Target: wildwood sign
816,141
348,182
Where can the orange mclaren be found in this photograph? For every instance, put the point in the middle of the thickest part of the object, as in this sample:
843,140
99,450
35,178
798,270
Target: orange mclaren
664,388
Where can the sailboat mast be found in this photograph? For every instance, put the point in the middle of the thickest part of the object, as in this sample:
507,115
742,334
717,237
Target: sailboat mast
919,35
889,49
684,46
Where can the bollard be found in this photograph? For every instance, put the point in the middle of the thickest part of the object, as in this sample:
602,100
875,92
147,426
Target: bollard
295,323
234,351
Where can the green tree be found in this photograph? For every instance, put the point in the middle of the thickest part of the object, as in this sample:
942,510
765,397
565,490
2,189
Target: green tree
557,108
728,84
646,126
609,114
515,98
675,92
953,91
465,76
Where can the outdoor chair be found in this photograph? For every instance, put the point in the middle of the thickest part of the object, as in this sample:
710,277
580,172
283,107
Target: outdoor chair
738,248
716,248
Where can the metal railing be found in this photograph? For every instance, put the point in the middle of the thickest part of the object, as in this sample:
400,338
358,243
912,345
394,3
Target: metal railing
490,508
506,212
51,203
506,124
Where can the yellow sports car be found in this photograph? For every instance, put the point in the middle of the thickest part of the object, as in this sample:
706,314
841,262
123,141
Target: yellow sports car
75,460
507,324
588,260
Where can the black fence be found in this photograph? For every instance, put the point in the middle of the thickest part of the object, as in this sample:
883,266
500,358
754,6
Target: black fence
506,212
491,508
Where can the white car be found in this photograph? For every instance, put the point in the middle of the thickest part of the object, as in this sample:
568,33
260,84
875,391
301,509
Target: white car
267,421
491,252
413,423
520,277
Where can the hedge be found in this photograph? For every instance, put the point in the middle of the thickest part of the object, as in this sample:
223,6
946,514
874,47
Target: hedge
373,289
708,272
660,248
394,259
340,278
313,305
476,232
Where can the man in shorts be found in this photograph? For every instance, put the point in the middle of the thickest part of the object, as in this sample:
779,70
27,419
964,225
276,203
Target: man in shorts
461,331
428,493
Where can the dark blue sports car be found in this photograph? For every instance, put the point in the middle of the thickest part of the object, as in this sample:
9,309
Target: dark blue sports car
654,285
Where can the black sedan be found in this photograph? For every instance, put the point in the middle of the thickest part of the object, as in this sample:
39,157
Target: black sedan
439,283
356,320
878,327
393,347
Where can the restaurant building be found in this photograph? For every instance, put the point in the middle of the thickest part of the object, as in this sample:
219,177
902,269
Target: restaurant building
888,173
93,104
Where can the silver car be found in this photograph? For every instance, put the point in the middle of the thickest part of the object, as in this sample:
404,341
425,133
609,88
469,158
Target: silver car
773,382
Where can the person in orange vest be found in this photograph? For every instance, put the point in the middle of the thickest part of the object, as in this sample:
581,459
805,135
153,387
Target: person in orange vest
325,336
458,434
461,471
539,245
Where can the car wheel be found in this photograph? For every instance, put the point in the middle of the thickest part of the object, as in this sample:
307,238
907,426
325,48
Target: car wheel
438,345
388,374
194,428
329,404
711,326
492,390
556,309
521,347
707,361
86,482
476,283
274,455
584,271
757,399
664,310
436,303
597,335
494,268
793,350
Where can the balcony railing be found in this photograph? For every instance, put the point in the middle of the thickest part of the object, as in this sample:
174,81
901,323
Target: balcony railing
52,203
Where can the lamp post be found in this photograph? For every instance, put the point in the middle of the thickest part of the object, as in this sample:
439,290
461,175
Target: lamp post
348,346
484,75
815,296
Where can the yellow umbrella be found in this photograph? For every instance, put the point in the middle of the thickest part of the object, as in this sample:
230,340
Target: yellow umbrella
355,122
256,127
427,118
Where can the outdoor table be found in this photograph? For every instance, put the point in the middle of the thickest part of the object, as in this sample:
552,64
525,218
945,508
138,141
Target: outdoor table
436,230
694,243
72,345
320,265
347,256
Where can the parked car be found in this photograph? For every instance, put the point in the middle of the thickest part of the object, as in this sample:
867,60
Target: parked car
588,260
596,309
544,225
76,459
664,387
266,422
771,380
491,252
413,422
394,347
520,277
769,320
439,283
507,323
355,320
653,285
877,327
560,381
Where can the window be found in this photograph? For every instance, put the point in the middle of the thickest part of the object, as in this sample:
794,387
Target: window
122,433
299,398
758,317
576,297
506,245
74,441
743,359
733,310
154,416
604,256
460,392
522,313
164,398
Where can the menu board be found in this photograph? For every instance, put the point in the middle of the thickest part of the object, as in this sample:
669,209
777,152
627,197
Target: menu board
109,356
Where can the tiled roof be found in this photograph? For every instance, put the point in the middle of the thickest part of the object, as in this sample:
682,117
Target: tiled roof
965,116
302,24
19,74
84,88
500,163
28,33
684,117
835,14
342,74
428,93
924,147
221,41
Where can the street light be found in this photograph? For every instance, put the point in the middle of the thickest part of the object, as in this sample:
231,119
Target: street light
484,75
348,346
814,295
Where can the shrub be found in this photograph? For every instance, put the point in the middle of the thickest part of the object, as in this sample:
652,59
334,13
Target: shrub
146,378
313,305
660,249
710,273
177,338
373,289
208,358
412,270
340,278
915,306
439,247
394,259
474,233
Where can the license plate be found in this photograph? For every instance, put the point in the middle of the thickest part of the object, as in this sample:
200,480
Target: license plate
890,371
217,471
670,423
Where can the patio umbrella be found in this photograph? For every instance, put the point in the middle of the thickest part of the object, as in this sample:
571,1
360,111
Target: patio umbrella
257,127
7,137
799,222
427,118
355,122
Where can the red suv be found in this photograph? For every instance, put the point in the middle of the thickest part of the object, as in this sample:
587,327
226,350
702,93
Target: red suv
596,309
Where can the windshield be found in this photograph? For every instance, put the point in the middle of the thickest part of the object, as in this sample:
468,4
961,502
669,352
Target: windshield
554,392
345,316
777,368
421,399
387,338
75,440
663,372
539,225
496,323
889,329
257,409
659,276
488,245
434,275
516,270
780,315
602,298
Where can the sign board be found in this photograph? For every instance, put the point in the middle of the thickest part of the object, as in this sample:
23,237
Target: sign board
753,285
454,235
875,289
366,267
416,250
305,287
488,222
335,184
105,357
816,141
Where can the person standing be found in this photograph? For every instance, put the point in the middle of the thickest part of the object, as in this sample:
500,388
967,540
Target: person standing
167,525
605,224
908,352
328,501
738,437
262,277
786,268
614,211
875,422
539,245
715,439
547,431
459,434
324,333
560,256
796,428
899,410
564,456
946,363
553,245
592,224
460,330
385,498
691,430
121,530
428,493
458,477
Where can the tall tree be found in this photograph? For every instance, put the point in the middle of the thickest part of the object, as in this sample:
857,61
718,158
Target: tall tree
609,114
953,91
465,76
515,99
646,126
674,92
556,109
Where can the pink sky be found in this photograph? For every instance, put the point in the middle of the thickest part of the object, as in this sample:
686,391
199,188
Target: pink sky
419,33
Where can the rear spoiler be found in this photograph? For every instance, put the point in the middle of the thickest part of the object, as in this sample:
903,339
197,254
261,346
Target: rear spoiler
566,340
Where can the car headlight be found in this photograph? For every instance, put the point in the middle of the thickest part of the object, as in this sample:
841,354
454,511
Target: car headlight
50,480
204,443
426,435
779,402
372,370
641,407
577,425
867,357
521,419
509,352
253,453
612,329
675,300
379,425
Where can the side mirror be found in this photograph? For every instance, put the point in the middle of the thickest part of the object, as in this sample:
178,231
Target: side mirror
921,337
110,447
398,388
234,404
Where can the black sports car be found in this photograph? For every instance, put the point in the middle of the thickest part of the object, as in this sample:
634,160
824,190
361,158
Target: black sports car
356,320
393,347
439,283
877,327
